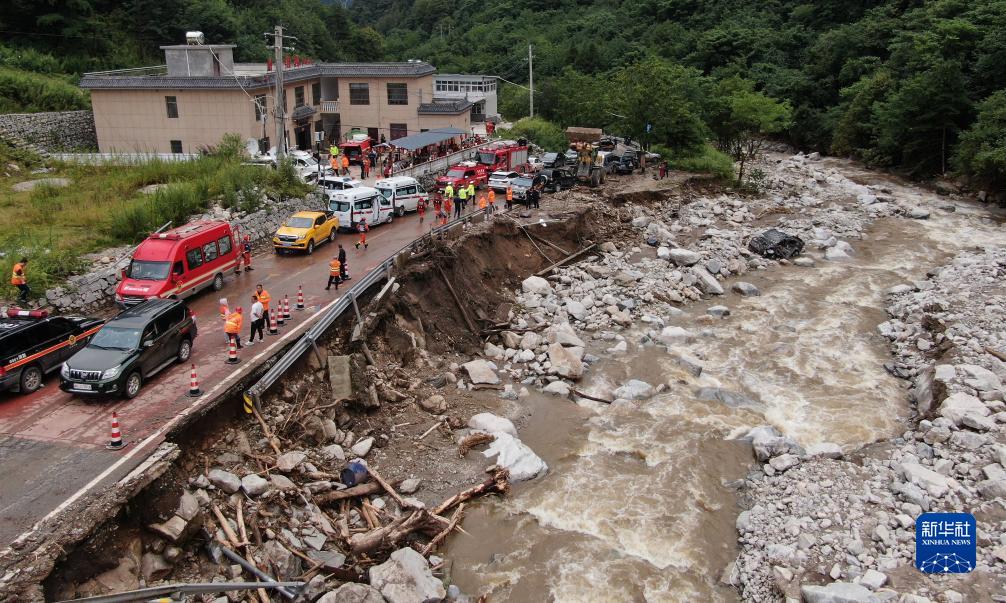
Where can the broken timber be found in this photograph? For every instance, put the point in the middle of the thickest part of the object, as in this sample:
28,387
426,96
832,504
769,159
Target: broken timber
566,260
457,300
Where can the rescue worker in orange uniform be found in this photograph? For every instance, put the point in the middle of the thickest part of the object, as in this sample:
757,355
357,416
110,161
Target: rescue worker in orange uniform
484,205
345,165
421,209
19,279
263,297
334,273
362,228
232,327
492,201
509,197
246,253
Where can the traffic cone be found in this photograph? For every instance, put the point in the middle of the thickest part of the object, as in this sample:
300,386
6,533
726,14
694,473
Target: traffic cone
194,391
286,307
300,297
232,352
279,314
273,329
115,443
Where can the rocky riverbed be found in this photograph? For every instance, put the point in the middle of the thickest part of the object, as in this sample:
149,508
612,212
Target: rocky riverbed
681,342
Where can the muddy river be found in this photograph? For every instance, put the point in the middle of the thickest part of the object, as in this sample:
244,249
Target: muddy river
639,503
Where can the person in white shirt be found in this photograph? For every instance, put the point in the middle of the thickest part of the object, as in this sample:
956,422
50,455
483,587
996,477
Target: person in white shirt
257,320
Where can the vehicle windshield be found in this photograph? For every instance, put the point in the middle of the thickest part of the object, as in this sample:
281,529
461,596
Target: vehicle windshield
116,338
300,222
456,173
550,157
522,182
500,175
386,192
487,158
149,271
340,206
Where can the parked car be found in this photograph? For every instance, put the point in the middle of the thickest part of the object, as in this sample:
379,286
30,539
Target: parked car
179,263
34,344
305,230
524,183
332,182
130,349
534,164
608,161
404,193
626,164
559,179
353,205
571,156
500,181
553,160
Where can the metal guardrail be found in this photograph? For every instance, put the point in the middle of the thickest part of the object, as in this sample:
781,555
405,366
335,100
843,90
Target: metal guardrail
309,340
121,158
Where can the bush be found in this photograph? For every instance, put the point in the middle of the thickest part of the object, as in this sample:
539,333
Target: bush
706,160
23,92
540,131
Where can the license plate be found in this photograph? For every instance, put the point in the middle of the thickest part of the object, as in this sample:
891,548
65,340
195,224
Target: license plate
287,244
82,386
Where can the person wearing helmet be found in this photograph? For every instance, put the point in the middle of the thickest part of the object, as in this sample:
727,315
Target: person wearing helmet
232,326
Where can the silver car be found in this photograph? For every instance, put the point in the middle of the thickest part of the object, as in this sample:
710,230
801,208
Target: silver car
500,181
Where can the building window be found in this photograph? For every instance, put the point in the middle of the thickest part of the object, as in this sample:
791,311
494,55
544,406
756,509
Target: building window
316,93
359,94
398,94
176,146
399,131
453,86
260,107
298,96
171,102
441,87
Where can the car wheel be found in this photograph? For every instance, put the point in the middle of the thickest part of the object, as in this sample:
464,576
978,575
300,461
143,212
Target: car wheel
218,282
131,386
400,211
331,236
391,216
31,379
184,350
310,247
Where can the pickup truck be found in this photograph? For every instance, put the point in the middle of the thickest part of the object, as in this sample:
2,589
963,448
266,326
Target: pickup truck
305,230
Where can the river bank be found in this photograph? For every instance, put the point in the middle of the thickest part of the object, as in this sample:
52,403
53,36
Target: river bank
639,491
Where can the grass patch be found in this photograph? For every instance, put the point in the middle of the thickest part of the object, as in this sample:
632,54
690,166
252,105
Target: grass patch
104,206
707,159
26,92
542,132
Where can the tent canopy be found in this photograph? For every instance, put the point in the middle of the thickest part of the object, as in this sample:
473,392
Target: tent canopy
424,139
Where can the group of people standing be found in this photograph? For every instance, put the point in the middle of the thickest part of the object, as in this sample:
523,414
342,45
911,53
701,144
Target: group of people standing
258,314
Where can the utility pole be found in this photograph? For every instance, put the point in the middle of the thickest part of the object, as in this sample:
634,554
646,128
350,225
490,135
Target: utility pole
279,113
530,77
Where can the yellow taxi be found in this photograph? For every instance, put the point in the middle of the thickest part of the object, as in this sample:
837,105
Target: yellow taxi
305,230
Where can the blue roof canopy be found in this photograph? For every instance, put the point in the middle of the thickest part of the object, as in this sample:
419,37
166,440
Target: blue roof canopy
424,139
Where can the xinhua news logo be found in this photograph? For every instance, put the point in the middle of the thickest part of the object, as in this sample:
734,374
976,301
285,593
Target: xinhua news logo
945,543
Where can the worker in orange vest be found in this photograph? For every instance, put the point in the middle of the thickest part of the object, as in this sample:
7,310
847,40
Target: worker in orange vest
19,279
364,168
232,326
509,197
334,273
345,165
334,161
447,208
484,204
362,228
492,201
421,209
263,297
246,253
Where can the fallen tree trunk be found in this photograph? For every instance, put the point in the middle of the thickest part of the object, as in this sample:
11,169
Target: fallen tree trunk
390,535
499,482
361,490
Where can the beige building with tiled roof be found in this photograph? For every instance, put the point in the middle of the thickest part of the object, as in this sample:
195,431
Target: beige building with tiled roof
201,94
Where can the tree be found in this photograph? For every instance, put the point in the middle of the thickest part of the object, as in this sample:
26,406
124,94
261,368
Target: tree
746,118
982,152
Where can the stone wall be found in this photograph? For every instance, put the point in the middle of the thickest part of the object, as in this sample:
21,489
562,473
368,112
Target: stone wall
95,289
51,131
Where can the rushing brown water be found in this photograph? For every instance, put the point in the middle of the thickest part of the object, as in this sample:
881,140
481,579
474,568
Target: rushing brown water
637,505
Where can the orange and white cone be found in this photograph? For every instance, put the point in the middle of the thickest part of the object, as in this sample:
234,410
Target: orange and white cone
286,307
115,442
194,391
232,352
273,329
300,297
279,314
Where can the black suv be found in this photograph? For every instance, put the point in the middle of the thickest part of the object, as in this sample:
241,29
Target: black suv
131,348
626,163
559,179
554,160
32,343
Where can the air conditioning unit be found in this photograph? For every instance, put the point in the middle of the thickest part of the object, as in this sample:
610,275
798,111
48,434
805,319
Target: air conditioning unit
194,38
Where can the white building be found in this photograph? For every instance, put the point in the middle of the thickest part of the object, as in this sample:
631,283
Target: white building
480,90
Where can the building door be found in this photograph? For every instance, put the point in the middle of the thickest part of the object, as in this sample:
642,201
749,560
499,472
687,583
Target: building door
302,135
372,133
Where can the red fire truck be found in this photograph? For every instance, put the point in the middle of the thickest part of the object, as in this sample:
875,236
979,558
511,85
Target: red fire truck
502,155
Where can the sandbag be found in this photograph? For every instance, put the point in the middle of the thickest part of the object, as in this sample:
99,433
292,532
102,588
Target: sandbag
776,244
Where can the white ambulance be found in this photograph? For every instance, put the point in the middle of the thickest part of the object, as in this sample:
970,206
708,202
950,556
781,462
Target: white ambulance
404,193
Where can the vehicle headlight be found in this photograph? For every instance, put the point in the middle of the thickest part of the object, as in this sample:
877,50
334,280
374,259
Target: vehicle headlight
64,371
111,373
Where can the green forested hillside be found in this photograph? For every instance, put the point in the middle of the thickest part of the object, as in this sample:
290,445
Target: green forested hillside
916,85
895,82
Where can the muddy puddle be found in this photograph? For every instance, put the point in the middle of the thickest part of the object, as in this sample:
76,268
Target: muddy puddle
638,503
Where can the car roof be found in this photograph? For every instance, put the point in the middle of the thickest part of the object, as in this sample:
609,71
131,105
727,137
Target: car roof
308,214
396,180
140,314
12,326
351,194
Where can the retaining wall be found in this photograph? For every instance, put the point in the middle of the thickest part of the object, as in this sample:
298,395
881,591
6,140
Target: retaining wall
50,131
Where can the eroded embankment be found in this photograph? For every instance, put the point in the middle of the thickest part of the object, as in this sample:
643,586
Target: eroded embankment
281,484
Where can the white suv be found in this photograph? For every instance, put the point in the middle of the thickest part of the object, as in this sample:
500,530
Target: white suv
499,181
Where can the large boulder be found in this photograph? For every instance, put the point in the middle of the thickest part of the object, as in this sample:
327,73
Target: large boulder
490,423
481,371
564,362
706,282
981,378
684,257
674,335
536,284
254,485
838,592
406,578
959,405
353,592
564,334
634,389
283,564
513,454
290,460
225,480
767,442
924,477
